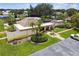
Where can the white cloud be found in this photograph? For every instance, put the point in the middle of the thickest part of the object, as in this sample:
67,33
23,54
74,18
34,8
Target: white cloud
65,6
74,6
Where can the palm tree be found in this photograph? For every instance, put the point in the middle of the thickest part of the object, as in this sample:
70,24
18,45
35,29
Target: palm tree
38,37
41,10
32,24
38,28
11,20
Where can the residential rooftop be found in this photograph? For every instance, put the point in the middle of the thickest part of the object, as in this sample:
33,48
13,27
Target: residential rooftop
26,21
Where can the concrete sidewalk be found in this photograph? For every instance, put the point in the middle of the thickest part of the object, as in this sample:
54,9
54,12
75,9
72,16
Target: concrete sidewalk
3,38
56,35
65,30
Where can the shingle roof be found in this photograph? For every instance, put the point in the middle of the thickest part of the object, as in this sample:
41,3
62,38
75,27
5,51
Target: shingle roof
26,21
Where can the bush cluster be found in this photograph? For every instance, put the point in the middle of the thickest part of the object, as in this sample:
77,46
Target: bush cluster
38,38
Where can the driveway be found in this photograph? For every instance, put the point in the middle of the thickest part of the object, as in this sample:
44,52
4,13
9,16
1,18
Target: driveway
69,47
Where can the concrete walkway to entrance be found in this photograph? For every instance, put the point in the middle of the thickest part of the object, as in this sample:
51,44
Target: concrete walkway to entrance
3,38
57,35
65,30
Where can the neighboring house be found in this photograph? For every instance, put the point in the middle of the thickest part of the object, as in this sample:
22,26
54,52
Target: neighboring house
25,13
68,19
3,16
58,13
58,22
5,12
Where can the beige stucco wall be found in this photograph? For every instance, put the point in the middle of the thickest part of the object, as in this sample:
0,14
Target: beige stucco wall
17,34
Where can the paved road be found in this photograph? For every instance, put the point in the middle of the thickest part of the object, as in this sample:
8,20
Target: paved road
69,47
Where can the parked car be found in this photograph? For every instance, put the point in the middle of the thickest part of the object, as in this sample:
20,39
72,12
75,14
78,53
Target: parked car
75,36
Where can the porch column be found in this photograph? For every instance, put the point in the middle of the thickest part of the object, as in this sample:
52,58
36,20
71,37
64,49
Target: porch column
44,28
49,27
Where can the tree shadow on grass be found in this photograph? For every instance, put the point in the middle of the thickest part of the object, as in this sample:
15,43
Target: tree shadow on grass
76,30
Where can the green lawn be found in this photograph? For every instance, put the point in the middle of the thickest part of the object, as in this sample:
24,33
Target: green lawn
59,29
24,49
1,25
68,33
2,35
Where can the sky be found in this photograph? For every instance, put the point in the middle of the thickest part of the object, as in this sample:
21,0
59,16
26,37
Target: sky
27,5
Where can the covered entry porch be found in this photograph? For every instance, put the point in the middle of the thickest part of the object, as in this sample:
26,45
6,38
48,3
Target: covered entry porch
45,27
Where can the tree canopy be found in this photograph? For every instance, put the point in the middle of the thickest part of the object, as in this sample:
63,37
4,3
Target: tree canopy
75,20
62,16
71,11
41,9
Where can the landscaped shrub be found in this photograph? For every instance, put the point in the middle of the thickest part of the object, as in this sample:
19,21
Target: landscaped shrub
76,29
60,26
67,25
38,38
46,18
11,28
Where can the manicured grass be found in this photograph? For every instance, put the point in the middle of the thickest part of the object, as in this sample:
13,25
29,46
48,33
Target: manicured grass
1,25
59,29
2,35
68,33
24,49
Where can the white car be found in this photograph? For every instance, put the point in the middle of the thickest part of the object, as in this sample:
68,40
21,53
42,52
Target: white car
75,36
